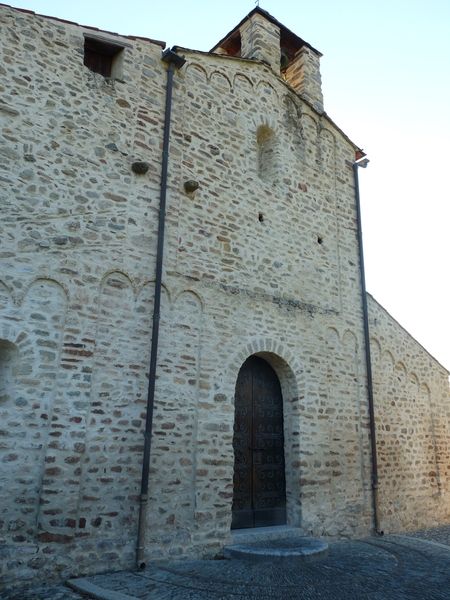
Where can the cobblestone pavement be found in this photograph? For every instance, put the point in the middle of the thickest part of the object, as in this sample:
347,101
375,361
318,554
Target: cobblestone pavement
44,592
393,567
441,535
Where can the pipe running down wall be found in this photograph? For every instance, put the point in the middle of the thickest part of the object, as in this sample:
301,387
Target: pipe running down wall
173,61
373,441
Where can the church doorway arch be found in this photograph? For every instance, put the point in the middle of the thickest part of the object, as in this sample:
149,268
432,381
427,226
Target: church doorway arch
259,482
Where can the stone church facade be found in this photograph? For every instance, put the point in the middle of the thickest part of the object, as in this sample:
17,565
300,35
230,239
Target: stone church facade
261,290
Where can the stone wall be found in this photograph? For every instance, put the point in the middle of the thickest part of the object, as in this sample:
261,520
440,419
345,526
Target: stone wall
270,257
412,408
257,261
261,259
76,265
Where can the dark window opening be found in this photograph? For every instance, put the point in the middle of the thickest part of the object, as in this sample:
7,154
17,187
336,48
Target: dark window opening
231,46
100,57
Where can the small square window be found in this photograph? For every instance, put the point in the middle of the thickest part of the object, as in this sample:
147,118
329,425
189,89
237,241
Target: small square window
103,57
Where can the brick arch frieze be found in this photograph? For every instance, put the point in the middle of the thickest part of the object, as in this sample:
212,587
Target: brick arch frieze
171,296
293,106
265,87
350,339
387,354
222,79
44,279
194,293
313,122
241,80
375,350
413,380
194,69
293,118
401,370
15,327
311,130
122,273
150,283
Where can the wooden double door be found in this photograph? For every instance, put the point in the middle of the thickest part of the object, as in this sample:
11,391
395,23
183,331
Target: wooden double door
259,497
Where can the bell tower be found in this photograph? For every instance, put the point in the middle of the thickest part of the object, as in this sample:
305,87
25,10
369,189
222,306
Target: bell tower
260,37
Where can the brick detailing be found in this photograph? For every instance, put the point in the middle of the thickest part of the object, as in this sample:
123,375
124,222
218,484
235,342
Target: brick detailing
303,74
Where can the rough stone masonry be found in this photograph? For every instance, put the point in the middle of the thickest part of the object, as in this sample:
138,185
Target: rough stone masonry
262,259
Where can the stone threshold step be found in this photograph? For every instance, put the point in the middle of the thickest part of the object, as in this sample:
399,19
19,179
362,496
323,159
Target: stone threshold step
293,548
255,534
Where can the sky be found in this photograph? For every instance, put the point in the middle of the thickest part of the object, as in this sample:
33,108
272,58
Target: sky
386,83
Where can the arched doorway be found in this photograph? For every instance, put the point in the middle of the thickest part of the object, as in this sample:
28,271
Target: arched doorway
259,497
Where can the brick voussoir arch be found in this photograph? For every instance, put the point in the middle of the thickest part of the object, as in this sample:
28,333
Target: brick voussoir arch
265,346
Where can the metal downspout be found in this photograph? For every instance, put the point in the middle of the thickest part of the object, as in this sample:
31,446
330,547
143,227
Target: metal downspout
174,62
374,461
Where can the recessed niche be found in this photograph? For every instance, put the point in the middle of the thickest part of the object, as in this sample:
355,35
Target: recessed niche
8,361
266,148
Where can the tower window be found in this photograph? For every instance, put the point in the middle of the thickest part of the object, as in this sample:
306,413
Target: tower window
103,57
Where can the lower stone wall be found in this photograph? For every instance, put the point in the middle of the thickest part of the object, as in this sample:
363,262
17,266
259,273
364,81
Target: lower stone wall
73,411
412,408
63,516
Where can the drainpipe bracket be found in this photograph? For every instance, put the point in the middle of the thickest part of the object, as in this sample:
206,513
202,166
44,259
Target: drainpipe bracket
170,57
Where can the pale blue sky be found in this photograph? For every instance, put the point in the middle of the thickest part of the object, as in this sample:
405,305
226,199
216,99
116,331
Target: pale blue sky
386,82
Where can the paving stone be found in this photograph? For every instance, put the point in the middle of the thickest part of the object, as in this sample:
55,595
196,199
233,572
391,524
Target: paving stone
390,568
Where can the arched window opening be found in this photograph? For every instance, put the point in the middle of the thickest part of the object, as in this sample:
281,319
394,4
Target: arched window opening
8,361
265,138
